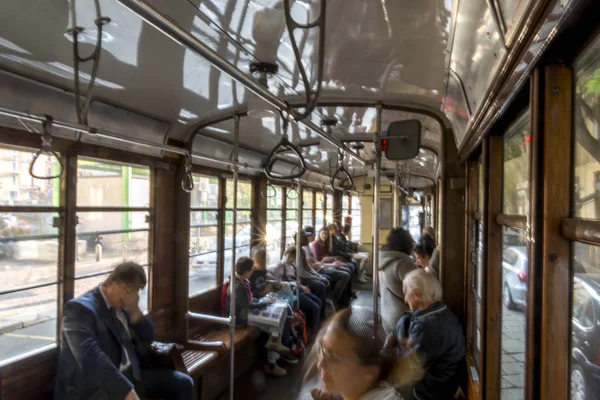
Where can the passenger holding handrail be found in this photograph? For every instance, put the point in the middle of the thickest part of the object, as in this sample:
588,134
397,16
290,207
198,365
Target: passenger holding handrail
310,304
434,332
394,263
106,342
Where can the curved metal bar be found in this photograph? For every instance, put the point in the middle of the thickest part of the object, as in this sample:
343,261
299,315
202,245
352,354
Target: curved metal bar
284,144
265,193
187,183
311,96
292,189
342,170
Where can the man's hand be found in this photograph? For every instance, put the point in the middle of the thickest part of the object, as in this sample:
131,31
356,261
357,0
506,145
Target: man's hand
304,289
338,264
132,395
133,308
390,342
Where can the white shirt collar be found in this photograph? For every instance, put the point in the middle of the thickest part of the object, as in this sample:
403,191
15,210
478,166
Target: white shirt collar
104,297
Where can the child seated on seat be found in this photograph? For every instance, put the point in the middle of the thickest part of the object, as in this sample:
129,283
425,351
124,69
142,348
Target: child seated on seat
244,303
260,288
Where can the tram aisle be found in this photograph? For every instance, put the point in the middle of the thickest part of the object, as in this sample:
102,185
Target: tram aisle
253,385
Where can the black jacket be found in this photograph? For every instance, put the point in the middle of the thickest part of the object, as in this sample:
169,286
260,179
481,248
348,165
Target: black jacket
439,339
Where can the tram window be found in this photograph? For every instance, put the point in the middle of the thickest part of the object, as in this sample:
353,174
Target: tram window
106,238
514,299
28,254
243,239
329,209
320,210
274,231
586,110
291,217
308,204
585,326
516,168
477,266
356,218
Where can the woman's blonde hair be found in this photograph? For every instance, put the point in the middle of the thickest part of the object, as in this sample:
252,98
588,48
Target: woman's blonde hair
398,371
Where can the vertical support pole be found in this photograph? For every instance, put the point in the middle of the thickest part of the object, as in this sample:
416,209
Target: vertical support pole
298,240
396,197
556,275
376,191
236,138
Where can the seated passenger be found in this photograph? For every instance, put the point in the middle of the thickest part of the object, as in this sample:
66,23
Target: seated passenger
394,263
337,249
105,338
354,364
334,268
363,259
434,263
244,302
423,252
310,304
435,334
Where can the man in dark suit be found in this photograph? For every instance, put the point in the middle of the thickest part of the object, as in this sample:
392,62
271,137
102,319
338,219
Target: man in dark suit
105,338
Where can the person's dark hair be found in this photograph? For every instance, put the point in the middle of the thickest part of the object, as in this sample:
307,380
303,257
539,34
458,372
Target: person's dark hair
347,228
128,273
369,347
243,265
304,241
425,247
400,240
327,243
310,230
259,253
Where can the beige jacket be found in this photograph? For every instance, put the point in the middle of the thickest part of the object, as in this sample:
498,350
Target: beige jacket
393,267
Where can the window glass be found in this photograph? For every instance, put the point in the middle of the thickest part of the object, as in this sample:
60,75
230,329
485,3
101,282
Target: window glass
107,238
274,230
206,192
512,12
329,212
244,194
242,238
514,300
356,219
307,207
274,196
28,253
204,234
109,184
320,210
516,168
585,326
586,185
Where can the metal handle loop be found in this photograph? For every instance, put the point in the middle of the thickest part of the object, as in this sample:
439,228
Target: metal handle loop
342,188
46,148
265,192
187,183
284,144
294,190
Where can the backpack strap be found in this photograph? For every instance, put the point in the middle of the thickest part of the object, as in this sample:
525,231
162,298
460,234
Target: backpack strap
224,298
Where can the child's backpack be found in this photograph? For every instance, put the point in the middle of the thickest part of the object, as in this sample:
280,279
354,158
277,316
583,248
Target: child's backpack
299,333
224,289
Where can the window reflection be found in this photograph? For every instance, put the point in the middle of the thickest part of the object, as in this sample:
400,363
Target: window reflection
514,299
585,328
586,185
516,168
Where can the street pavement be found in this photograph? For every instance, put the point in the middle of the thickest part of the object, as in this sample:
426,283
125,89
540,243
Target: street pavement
513,355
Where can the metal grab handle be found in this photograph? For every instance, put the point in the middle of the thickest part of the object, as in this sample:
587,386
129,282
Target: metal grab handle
46,148
342,170
292,190
283,144
187,183
265,193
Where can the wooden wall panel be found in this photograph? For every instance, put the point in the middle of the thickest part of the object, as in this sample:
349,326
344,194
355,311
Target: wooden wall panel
493,292
556,311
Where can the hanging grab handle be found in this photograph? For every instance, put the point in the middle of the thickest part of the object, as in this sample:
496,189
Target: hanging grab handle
187,183
348,178
284,144
265,193
46,149
292,190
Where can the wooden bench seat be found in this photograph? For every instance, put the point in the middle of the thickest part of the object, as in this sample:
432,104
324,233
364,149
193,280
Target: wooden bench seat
196,361
242,335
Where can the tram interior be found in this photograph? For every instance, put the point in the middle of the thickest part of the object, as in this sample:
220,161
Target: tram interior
180,135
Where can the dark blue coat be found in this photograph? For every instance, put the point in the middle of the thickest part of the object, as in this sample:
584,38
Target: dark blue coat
438,338
90,354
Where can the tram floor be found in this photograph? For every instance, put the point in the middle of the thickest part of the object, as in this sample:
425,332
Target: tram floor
253,385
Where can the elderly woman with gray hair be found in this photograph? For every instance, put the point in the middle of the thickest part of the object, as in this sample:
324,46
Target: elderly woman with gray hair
435,333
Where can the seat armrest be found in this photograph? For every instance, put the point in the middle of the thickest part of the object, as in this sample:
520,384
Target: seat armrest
218,347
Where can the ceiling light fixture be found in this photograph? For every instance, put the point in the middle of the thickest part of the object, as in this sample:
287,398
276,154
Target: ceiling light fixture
262,72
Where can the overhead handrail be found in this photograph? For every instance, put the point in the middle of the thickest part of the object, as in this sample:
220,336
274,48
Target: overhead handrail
82,110
265,192
312,96
182,36
342,170
187,182
46,148
292,190
285,145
